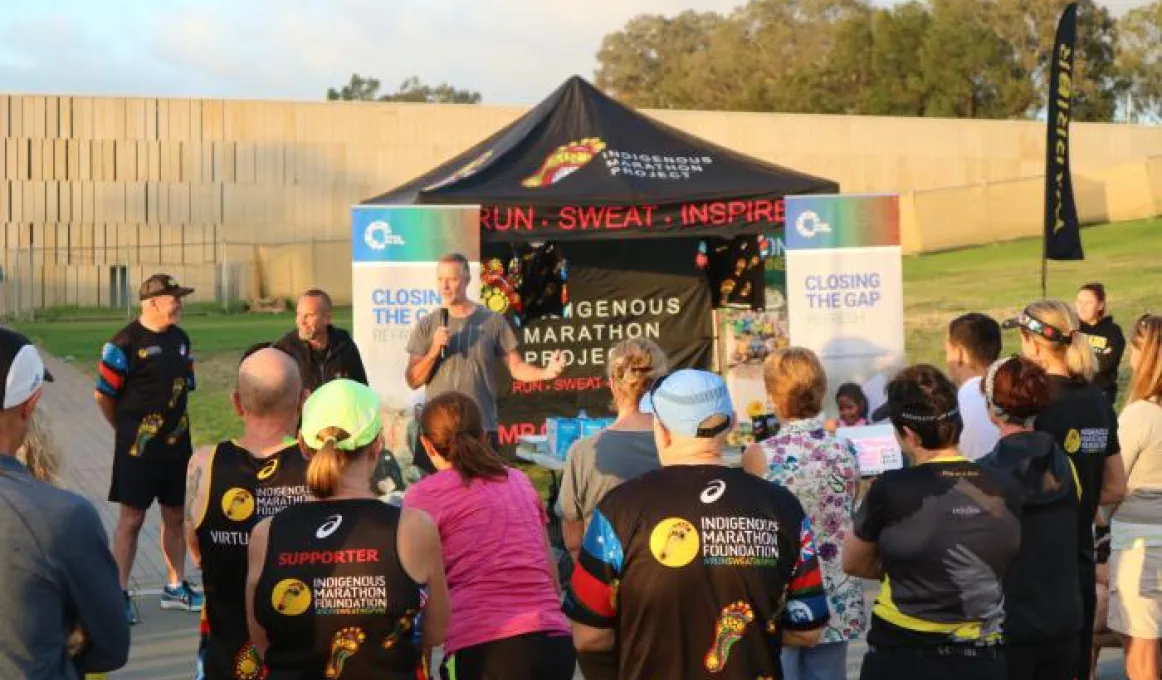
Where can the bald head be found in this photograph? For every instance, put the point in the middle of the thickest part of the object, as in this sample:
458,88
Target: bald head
269,384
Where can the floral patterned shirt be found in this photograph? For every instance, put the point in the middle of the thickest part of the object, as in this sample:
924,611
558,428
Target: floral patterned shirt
823,473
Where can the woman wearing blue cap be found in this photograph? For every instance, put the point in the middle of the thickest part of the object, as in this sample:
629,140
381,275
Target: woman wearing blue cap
336,586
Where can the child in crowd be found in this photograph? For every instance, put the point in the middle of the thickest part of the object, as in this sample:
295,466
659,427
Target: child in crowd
853,405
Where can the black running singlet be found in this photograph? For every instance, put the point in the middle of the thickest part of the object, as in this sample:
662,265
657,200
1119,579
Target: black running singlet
242,491
334,598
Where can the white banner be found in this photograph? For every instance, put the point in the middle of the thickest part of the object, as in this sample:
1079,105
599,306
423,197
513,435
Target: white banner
845,288
393,286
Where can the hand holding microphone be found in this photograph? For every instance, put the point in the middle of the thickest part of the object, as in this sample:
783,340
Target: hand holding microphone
444,327
441,337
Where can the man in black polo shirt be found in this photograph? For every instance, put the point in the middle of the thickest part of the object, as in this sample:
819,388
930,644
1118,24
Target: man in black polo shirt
322,351
145,374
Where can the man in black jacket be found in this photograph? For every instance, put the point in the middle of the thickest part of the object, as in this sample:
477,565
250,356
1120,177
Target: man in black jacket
322,351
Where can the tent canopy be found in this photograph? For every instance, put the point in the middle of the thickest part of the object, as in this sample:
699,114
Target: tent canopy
581,165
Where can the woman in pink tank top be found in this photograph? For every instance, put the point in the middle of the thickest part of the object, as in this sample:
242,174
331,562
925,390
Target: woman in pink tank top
506,614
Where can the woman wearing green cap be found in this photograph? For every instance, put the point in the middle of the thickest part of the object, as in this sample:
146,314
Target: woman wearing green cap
336,585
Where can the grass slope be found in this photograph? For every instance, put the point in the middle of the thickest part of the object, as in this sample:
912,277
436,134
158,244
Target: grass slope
997,279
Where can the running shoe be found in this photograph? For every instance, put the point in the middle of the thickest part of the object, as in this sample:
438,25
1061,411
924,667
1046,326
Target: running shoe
130,609
182,597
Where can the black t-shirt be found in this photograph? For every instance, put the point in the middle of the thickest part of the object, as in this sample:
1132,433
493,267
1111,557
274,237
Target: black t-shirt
149,375
1108,343
699,569
946,532
333,597
242,490
1041,599
1084,423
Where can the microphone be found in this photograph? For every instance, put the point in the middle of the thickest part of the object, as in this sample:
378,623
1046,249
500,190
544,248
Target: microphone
444,324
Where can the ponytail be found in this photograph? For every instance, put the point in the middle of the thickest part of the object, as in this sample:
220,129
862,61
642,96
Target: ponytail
452,424
327,464
1080,361
474,459
1079,358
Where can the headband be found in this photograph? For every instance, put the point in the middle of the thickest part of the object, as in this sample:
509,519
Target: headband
990,386
917,418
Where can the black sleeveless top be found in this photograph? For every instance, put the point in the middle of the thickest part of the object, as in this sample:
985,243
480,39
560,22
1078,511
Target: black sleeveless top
242,491
334,598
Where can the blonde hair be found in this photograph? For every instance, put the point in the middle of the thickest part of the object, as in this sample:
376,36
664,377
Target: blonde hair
1147,339
328,462
634,366
1078,354
796,383
39,452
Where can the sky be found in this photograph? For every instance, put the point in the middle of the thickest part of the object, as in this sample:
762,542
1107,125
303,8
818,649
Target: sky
512,51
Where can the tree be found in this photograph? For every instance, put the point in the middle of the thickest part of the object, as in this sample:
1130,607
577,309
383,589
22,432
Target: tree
358,89
1139,60
411,90
1030,26
898,86
646,63
965,58
967,67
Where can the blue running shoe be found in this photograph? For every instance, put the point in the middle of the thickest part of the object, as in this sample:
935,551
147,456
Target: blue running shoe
182,597
130,609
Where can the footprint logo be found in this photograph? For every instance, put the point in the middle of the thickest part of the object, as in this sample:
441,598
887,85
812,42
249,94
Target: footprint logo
183,425
247,663
564,161
674,542
729,628
146,431
1072,441
343,646
402,626
291,597
238,504
179,386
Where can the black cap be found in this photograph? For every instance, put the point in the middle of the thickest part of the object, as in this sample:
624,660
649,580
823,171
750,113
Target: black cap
22,372
162,284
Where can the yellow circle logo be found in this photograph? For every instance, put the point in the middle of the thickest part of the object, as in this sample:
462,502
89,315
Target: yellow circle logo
238,504
268,470
291,597
674,542
1073,441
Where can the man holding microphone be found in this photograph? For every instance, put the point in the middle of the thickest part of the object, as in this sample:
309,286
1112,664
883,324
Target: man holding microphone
456,349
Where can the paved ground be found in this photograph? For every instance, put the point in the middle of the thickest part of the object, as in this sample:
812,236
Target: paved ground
164,642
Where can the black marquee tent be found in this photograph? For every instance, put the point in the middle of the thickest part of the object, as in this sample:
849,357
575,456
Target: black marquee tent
581,165
578,170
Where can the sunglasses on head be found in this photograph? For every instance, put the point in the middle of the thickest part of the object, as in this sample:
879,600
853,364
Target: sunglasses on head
1039,327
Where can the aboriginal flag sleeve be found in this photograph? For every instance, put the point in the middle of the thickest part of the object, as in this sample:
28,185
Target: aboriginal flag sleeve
592,596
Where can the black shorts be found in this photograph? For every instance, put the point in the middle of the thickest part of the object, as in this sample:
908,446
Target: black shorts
944,663
137,480
1045,660
533,656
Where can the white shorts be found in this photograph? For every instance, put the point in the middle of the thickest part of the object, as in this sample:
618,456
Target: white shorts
1136,591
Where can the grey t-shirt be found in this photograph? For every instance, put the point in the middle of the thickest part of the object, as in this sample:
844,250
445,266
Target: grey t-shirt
474,344
599,463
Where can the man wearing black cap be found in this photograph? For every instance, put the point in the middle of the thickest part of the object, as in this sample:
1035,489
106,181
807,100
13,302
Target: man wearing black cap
145,374
60,582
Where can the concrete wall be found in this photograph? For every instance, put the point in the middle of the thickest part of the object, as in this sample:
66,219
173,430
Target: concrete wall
939,219
93,183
